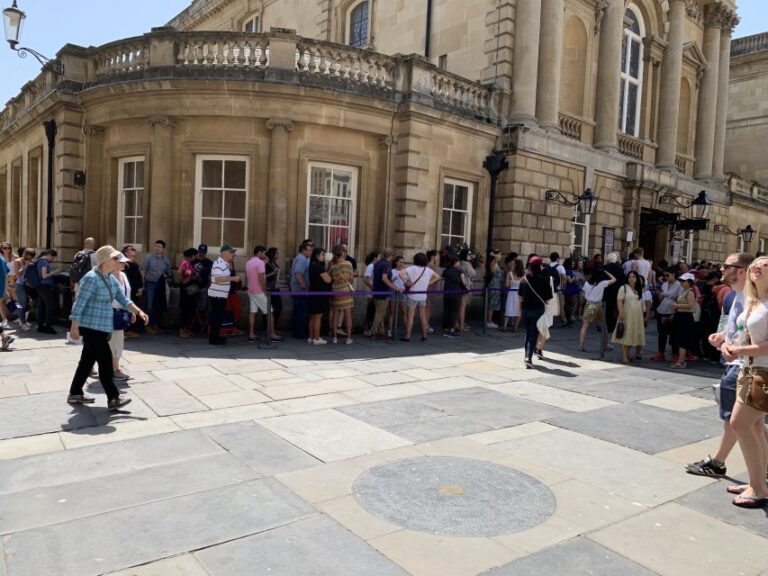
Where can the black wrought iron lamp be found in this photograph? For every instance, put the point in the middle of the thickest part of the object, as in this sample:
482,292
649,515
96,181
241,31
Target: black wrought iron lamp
13,22
587,202
700,205
745,233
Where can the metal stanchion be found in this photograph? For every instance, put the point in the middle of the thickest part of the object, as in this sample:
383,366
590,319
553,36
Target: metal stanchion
485,310
395,324
269,343
603,331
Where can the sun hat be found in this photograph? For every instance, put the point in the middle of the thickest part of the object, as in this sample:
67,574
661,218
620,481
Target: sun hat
106,253
687,276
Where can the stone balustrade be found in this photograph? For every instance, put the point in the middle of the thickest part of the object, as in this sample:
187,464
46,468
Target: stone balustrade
276,56
685,164
749,44
630,146
570,126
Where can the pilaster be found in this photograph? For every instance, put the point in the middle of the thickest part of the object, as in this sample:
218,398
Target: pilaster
161,179
550,57
277,202
609,75
526,61
669,101
730,22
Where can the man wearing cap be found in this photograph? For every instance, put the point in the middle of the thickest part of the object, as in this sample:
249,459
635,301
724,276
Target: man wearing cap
92,318
202,265
218,292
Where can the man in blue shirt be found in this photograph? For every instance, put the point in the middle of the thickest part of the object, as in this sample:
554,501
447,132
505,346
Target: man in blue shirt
46,302
300,283
155,269
382,283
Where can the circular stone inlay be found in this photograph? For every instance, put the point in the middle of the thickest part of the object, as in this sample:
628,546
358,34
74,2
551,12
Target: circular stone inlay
454,496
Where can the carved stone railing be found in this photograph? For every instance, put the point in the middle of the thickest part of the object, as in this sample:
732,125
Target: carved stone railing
750,44
570,126
214,49
751,189
631,147
32,93
125,56
460,93
345,64
685,164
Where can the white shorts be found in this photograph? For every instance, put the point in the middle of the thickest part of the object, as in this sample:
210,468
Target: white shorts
258,303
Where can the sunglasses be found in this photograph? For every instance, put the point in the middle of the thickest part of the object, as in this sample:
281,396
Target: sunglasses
727,266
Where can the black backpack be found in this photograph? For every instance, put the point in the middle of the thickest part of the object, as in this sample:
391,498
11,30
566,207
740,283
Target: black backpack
32,277
552,272
81,265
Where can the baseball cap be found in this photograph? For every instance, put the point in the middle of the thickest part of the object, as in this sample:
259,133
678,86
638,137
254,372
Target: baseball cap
203,248
535,261
226,248
687,276
121,258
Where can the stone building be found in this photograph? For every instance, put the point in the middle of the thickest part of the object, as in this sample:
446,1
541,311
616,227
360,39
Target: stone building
368,121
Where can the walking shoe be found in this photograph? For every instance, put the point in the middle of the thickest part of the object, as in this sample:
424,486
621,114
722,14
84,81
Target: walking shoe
350,341
430,330
26,327
4,324
319,341
120,376
658,357
528,363
491,325
341,332
539,354
706,467
6,342
80,399
117,403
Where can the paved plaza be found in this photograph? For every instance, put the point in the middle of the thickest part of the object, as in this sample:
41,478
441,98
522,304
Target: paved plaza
444,458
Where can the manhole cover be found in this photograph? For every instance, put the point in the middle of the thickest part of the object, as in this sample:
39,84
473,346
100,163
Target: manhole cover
454,496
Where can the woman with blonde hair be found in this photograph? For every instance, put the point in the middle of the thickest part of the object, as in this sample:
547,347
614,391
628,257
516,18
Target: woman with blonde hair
748,419
342,274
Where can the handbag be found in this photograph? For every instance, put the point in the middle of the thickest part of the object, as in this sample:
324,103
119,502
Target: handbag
757,394
620,330
545,320
121,319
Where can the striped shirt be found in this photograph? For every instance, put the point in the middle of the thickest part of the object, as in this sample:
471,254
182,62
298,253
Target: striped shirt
93,306
220,268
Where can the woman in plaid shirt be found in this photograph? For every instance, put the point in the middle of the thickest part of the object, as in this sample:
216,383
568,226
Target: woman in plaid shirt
92,317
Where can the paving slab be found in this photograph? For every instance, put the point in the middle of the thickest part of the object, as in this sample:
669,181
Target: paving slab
437,428
103,460
544,394
54,504
330,435
674,540
172,405
3,569
124,538
20,447
578,557
318,546
633,475
642,427
629,390
182,565
681,402
41,413
259,448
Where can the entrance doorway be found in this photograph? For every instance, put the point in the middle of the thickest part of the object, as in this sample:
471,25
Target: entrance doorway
655,228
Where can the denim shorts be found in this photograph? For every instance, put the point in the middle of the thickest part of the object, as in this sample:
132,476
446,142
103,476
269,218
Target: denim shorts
725,391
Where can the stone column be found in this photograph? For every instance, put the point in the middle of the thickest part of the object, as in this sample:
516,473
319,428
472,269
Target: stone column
277,201
161,181
723,78
609,76
550,56
526,61
669,101
707,109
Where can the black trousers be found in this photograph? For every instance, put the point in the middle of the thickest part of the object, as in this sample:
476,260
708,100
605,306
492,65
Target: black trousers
95,351
46,305
451,304
218,305
665,329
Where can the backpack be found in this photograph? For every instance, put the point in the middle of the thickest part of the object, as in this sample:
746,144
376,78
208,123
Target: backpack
32,274
81,265
555,275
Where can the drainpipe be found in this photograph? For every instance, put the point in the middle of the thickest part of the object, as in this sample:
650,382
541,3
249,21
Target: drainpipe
50,134
429,29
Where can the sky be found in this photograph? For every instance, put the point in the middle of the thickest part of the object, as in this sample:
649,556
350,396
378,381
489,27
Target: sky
52,23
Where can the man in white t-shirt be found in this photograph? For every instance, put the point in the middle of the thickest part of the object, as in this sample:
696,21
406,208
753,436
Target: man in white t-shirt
256,273
418,279
218,292
639,264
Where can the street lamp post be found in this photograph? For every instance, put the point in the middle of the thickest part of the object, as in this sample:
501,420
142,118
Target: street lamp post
13,22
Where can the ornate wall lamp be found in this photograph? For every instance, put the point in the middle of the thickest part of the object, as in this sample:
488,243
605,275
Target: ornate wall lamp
745,233
13,22
587,202
699,206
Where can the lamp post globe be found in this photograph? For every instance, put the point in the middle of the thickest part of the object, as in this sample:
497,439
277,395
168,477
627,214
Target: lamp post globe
13,22
747,234
701,206
587,202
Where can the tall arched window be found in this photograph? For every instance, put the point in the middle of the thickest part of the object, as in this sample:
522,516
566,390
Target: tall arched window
631,73
357,25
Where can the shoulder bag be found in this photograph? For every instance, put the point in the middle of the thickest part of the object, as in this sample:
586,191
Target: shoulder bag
121,318
545,320
757,394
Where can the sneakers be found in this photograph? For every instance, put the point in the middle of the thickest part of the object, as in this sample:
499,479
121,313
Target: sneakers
430,330
6,342
491,325
706,467
341,332
120,376
319,342
528,363
26,327
452,335
350,341
658,357
539,354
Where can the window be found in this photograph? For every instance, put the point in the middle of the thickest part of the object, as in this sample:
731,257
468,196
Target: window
130,202
580,233
442,62
34,189
457,213
357,29
221,200
686,250
252,24
331,198
631,73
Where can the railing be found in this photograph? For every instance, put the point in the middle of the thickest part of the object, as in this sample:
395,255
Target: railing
750,44
344,64
631,147
213,49
122,57
455,91
32,93
685,164
570,126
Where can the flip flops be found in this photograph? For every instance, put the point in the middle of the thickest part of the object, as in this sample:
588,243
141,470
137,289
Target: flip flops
750,501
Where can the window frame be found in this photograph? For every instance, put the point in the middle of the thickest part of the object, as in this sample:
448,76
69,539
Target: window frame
120,235
355,184
256,16
198,218
627,37
585,225
348,24
469,211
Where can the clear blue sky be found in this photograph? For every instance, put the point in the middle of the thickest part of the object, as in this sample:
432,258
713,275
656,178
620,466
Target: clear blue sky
52,23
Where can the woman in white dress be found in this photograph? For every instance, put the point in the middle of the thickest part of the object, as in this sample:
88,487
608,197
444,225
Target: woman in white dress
512,310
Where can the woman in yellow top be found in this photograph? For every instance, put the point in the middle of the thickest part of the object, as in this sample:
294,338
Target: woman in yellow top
342,275
629,302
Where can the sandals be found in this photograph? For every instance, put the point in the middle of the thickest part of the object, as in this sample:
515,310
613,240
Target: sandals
680,365
751,501
736,488
117,403
80,399
404,339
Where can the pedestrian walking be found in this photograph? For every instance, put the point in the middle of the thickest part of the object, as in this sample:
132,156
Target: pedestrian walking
535,292
121,319
93,319
594,292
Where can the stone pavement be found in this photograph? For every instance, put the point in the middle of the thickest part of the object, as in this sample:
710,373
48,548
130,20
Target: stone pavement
440,458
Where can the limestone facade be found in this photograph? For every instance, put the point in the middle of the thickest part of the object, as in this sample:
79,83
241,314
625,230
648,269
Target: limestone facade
199,132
